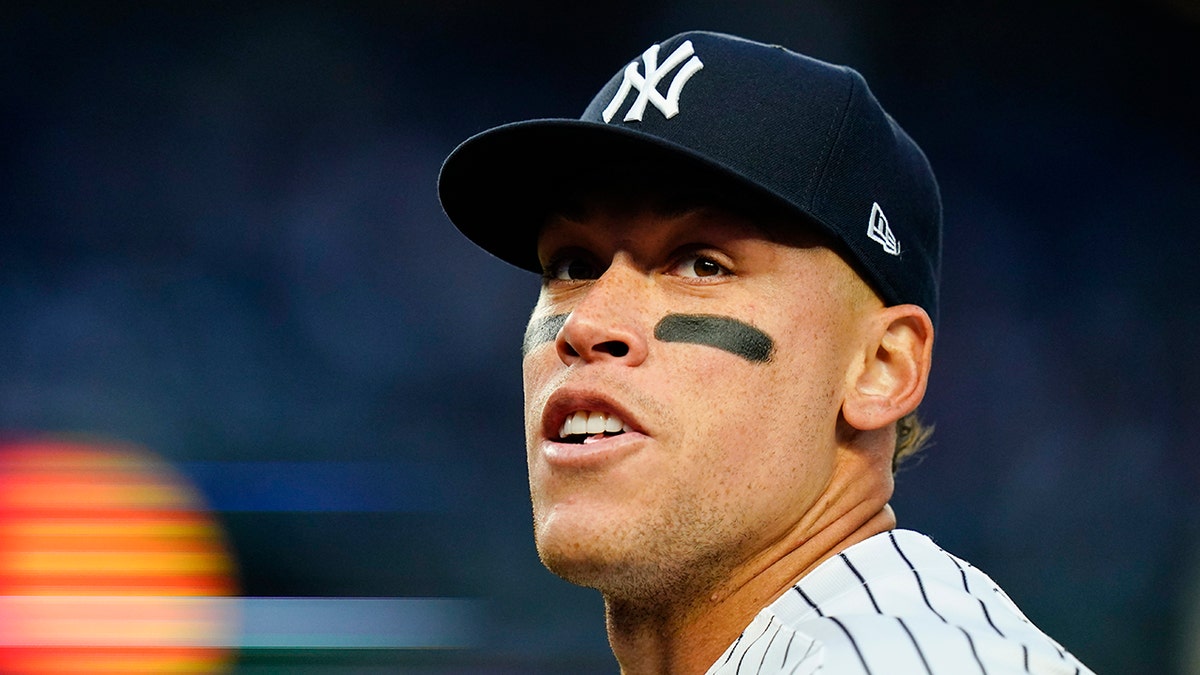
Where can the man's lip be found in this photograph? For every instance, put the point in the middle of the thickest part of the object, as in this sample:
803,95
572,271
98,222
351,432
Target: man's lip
566,401
590,455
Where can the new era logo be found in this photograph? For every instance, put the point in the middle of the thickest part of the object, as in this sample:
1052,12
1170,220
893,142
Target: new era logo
879,231
647,86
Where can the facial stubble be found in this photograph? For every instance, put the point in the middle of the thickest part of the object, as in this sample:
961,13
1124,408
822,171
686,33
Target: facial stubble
638,564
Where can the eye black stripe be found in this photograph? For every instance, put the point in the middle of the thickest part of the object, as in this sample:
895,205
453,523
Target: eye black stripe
726,333
722,332
542,331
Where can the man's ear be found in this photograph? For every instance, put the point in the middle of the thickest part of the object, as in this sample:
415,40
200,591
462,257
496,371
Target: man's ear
893,373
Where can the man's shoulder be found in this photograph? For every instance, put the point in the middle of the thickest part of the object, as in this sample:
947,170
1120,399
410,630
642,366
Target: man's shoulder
899,573
896,603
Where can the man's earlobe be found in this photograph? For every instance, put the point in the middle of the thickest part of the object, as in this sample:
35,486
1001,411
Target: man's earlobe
894,371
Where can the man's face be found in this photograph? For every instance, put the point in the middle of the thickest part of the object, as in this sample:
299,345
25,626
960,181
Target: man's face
708,444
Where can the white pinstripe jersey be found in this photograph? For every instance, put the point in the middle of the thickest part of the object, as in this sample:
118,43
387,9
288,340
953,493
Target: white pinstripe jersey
892,605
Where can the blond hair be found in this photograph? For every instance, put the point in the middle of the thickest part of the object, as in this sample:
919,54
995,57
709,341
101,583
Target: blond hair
912,436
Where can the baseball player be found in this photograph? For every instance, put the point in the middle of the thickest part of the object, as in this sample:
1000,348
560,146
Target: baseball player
740,252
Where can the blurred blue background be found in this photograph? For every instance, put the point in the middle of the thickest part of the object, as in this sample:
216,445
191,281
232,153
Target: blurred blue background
220,239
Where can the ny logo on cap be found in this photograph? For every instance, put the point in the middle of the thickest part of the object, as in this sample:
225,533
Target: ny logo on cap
648,86
879,231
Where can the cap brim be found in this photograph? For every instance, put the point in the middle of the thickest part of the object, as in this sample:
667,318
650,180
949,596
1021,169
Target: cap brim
498,186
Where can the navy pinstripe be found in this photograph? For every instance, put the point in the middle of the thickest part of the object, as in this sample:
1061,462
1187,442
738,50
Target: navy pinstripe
859,612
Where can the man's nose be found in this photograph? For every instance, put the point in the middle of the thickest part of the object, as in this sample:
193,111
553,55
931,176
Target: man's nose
608,323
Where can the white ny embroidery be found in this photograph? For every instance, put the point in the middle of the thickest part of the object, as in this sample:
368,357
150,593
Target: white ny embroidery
648,86
879,230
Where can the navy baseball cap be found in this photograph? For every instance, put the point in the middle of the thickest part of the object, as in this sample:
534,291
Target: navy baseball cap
804,134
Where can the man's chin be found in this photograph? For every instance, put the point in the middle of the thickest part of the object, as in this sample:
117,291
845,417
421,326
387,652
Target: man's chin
630,577
601,568
581,543
577,564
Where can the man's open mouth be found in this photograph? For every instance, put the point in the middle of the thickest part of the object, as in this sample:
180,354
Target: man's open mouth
585,426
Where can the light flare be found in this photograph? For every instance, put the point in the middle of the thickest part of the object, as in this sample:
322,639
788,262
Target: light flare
109,563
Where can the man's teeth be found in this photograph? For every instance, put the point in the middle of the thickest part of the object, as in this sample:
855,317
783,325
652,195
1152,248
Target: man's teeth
589,423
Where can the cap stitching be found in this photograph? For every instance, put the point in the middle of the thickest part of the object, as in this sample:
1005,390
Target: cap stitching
823,170
878,276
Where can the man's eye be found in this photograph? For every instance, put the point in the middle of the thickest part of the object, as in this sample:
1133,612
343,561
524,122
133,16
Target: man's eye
571,269
700,266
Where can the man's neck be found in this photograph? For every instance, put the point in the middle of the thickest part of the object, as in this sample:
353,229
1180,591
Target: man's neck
684,635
